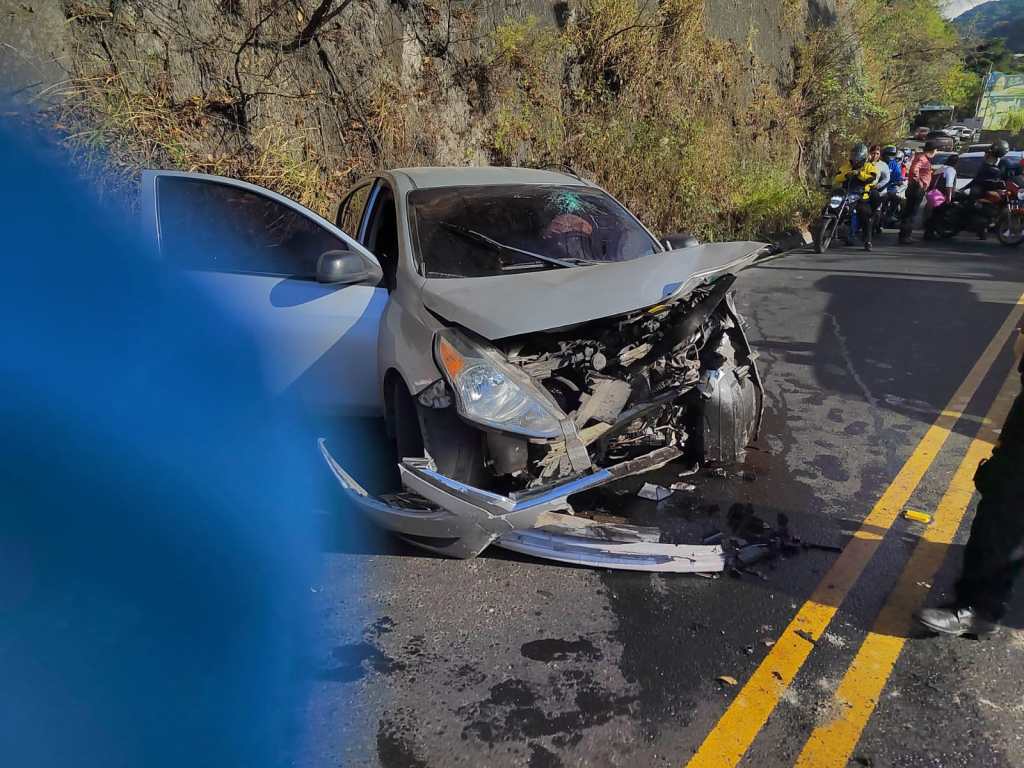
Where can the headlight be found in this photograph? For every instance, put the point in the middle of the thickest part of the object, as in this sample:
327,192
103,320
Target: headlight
1020,194
491,392
852,198
835,201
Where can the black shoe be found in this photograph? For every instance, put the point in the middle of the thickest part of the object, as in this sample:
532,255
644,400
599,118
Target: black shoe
904,241
954,620
867,246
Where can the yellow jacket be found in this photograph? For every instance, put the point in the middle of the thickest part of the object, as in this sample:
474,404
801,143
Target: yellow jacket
865,176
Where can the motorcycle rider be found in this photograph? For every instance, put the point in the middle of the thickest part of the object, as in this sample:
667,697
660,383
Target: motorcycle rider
983,191
919,177
892,157
858,176
891,201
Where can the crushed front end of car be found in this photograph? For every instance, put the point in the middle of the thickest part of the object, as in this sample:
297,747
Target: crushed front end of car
563,411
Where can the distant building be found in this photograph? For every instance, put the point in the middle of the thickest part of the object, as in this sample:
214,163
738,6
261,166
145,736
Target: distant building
1002,94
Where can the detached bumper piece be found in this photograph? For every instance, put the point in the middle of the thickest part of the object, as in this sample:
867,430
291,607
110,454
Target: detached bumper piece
451,518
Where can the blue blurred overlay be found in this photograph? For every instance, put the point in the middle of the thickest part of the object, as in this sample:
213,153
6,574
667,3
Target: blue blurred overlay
156,528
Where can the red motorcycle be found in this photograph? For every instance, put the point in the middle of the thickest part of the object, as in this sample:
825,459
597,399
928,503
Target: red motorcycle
1000,210
1010,222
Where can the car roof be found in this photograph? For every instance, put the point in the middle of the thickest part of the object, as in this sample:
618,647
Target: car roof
429,177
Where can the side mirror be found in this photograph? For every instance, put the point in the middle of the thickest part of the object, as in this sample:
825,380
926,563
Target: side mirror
345,268
681,240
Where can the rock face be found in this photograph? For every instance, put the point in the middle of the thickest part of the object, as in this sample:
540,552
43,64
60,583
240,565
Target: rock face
306,101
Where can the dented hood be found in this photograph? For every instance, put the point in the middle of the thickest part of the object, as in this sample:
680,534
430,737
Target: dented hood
508,305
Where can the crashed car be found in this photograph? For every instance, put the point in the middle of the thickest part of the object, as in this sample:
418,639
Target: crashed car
533,341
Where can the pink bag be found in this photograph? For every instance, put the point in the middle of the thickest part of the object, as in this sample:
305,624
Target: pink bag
935,198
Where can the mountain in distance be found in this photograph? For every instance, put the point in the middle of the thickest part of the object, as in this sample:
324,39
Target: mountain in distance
997,18
953,8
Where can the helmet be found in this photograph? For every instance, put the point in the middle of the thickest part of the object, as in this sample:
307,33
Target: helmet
890,152
859,154
999,148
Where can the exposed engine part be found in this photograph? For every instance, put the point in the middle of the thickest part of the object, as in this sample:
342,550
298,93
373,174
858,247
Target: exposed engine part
646,382
508,454
436,395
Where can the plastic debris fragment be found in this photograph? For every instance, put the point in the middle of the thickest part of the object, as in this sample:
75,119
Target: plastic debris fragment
917,516
654,492
687,487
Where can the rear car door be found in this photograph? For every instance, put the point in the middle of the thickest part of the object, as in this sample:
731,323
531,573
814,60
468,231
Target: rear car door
256,253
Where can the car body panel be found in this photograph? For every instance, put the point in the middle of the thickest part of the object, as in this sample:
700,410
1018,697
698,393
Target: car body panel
509,305
312,335
458,521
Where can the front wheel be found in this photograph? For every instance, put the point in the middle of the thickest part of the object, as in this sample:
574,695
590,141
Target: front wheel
1010,228
824,233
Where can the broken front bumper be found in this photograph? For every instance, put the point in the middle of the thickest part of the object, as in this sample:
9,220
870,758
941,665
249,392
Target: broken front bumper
458,520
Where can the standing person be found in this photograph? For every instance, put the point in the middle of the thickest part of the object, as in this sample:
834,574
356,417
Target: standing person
945,182
881,185
858,176
919,177
993,556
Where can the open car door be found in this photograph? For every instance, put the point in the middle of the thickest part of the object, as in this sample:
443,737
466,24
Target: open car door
256,252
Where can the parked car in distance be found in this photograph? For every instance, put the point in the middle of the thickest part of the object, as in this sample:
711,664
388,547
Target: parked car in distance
969,163
944,140
524,336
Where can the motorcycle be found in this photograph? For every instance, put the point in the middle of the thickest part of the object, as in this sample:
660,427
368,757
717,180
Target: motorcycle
891,208
1010,224
837,218
1002,211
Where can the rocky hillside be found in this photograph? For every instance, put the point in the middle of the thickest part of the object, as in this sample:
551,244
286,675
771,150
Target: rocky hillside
703,114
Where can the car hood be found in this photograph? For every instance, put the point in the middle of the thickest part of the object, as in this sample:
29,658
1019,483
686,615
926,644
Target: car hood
509,305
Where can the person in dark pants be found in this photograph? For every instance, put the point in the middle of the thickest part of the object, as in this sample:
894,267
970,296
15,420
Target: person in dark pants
920,177
994,554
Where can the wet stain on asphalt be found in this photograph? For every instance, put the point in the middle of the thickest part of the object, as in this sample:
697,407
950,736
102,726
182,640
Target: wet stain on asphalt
831,468
856,428
512,693
541,757
355,660
559,650
395,749
514,711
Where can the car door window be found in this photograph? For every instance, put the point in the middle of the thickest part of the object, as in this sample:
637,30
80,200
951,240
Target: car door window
209,225
381,231
350,212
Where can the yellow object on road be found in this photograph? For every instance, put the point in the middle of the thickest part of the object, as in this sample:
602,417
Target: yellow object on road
916,516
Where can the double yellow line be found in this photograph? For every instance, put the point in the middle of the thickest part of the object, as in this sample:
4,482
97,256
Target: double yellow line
736,730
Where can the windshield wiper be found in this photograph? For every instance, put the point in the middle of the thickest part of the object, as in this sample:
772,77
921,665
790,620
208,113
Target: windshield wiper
479,237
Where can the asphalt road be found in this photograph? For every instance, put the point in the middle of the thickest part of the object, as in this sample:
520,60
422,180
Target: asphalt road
504,661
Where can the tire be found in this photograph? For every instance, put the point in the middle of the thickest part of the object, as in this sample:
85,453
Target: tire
456,448
1010,228
824,233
